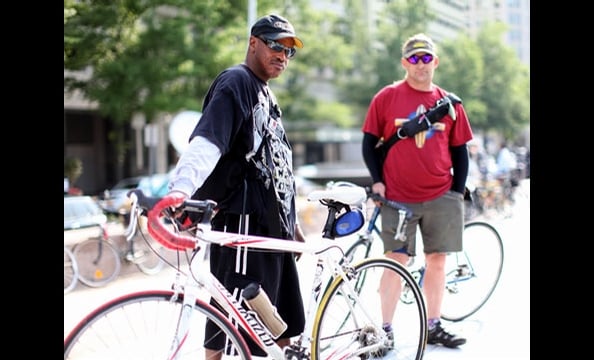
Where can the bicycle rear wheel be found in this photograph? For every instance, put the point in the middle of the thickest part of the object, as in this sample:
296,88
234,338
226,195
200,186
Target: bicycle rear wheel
98,262
472,274
70,271
360,249
350,323
142,325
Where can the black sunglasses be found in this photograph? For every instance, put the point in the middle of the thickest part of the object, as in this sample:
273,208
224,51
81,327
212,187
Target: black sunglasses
278,47
414,59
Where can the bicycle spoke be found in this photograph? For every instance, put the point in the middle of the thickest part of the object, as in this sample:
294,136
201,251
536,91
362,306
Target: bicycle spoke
351,323
141,326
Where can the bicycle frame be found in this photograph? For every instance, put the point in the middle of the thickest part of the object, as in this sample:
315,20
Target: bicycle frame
462,297
462,274
199,279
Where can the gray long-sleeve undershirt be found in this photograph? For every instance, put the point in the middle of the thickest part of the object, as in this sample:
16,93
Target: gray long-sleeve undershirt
194,166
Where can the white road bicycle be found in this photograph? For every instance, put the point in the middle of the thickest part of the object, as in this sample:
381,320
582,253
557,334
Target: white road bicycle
343,319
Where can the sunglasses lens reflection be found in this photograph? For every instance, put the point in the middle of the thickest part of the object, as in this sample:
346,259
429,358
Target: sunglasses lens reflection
414,59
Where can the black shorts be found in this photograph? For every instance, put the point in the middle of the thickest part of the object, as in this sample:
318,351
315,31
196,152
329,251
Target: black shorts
276,272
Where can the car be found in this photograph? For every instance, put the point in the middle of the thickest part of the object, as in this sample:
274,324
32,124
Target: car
83,219
115,199
155,185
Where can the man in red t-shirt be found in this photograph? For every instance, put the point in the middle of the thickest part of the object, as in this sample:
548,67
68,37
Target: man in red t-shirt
426,171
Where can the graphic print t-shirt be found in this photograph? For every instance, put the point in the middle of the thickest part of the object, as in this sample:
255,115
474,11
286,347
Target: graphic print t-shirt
241,116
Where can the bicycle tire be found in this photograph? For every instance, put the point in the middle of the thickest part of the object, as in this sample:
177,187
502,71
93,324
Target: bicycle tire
70,271
148,254
98,262
472,274
136,326
341,327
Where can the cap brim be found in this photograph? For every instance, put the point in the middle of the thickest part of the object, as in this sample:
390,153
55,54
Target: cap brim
414,51
276,36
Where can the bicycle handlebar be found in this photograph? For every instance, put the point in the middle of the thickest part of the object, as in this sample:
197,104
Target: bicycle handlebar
167,219
159,212
390,203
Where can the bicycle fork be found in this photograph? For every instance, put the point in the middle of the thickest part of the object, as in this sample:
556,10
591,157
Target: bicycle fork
185,316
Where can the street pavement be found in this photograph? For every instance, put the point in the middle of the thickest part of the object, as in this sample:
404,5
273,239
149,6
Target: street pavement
500,330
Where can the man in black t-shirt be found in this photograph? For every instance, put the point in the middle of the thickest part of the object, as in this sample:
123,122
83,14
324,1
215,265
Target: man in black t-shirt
239,156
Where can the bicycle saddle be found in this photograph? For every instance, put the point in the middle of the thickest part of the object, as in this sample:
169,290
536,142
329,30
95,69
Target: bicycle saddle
350,195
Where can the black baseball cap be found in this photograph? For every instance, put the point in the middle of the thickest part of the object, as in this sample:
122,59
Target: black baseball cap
274,27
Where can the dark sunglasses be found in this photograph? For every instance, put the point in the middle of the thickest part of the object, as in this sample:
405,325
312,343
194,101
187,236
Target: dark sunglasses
278,47
414,59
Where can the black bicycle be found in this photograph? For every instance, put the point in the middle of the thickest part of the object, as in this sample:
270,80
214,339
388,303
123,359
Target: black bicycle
471,274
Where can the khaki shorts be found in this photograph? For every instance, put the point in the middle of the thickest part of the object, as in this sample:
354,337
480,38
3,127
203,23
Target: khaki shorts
441,222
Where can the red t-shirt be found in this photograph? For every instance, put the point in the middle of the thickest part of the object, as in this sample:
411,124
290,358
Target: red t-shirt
414,174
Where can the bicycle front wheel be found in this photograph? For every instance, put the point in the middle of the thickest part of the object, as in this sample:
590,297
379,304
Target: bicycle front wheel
473,273
142,325
70,271
349,318
98,262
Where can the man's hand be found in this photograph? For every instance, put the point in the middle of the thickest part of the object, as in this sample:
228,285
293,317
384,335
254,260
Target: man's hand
158,231
173,200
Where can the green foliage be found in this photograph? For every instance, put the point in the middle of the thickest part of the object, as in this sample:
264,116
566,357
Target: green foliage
505,90
378,55
73,169
147,56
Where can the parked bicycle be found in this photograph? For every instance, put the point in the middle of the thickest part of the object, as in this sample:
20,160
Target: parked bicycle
100,259
341,322
471,274
494,197
70,270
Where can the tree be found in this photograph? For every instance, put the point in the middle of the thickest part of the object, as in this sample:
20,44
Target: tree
160,56
149,57
490,79
378,57
505,87
305,88
461,70
73,169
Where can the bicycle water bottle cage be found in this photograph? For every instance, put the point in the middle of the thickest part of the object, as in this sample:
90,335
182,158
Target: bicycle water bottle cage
348,223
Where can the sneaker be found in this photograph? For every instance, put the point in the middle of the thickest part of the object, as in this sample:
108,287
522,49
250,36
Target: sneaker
439,336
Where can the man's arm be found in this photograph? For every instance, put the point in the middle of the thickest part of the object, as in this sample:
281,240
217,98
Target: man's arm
194,166
369,156
460,161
